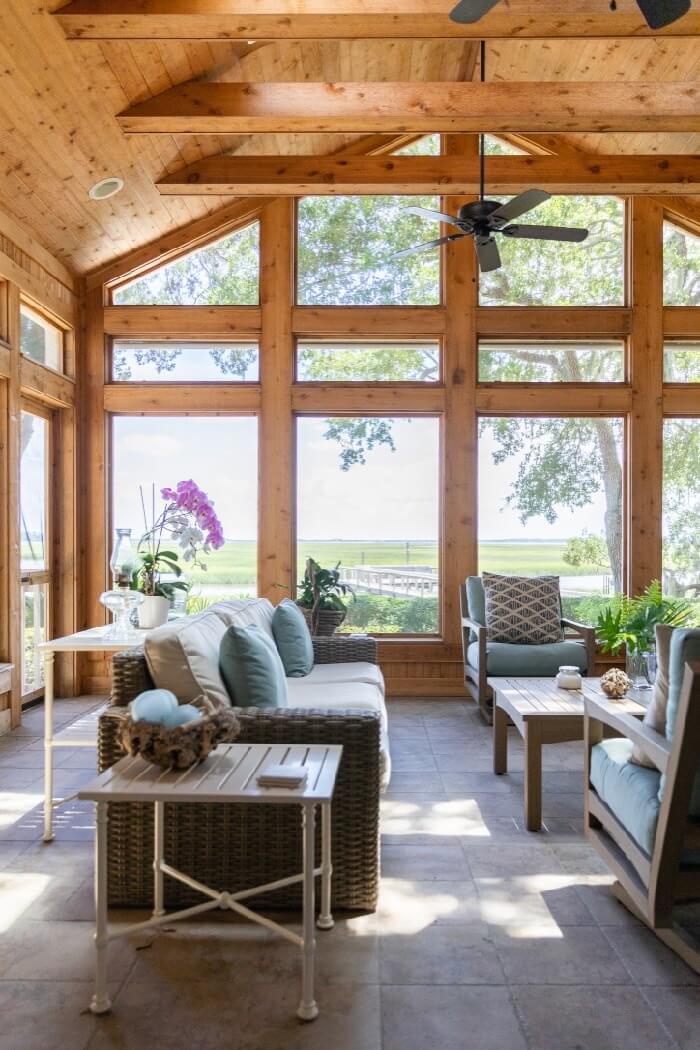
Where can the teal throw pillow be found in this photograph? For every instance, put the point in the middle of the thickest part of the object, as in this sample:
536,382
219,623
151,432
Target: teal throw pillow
293,639
251,668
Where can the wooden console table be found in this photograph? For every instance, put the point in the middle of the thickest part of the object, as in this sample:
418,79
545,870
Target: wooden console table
544,714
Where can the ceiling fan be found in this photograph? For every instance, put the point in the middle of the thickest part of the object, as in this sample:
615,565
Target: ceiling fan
483,218
657,13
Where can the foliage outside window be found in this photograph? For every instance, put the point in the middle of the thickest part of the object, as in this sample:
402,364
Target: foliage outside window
345,247
166,361
681,267
551,501
540,273
561,361
428,146
39,339
221,453
682,362
681,508
346,361
367,496
225,273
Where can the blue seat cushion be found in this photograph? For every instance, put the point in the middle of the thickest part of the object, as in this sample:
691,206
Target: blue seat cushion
629,790
505,658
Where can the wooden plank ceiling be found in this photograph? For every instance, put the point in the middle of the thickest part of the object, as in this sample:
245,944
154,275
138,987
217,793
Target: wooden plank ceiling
59,133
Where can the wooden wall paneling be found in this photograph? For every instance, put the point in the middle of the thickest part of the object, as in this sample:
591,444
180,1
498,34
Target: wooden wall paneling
681,400
645,432
276,425
553,322
681,322
11,587
407,399
529,399
182,322
45,384
94,531
408,322
459,477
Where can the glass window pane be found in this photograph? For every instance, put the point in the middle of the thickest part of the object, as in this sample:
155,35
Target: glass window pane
34,632
225,273
32,491
370,362
551,501
367,497
495,147
143,361
681,267
681,508
682,362
428,146
543,273
39,339
344,249
220,454
552,362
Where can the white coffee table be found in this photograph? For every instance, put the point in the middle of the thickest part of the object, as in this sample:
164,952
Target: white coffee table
82,732
228,775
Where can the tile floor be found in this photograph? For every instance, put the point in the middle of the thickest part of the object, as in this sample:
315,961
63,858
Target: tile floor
486,936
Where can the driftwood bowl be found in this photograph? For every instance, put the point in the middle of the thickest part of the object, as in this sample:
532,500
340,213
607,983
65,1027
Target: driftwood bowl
185,745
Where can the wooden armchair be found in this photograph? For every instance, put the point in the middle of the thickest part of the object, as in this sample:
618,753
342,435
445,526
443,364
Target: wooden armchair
484,659
645,822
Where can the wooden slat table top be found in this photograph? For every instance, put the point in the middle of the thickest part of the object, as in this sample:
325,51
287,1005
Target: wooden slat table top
541,698
227,775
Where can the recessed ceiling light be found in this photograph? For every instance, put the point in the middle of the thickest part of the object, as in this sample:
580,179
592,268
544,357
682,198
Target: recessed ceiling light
106,188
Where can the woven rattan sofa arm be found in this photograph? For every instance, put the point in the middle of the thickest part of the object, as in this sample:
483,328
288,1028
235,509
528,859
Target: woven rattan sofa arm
130,676
344,649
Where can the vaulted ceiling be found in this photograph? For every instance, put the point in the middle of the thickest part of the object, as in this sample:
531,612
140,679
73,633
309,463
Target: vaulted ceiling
59,100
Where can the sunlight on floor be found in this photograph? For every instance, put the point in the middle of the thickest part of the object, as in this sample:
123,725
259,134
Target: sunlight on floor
453,817
524,906
16,804
18,893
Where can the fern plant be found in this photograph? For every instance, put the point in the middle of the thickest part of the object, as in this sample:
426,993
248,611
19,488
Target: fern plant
631,622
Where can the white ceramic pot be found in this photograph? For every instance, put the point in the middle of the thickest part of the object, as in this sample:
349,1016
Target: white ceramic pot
153,612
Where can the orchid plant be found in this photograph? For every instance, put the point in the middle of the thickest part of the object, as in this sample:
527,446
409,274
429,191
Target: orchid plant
189,518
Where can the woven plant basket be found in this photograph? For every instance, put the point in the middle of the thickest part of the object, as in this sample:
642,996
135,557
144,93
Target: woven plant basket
328,621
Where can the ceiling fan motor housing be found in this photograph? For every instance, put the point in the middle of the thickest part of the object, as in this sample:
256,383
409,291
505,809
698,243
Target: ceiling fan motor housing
477,215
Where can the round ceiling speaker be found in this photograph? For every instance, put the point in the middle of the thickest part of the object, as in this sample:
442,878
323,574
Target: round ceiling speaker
106,188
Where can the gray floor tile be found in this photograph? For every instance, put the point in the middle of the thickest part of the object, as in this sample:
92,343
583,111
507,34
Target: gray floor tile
449,954
420,1017
577,955
424,863
679,1010
648,960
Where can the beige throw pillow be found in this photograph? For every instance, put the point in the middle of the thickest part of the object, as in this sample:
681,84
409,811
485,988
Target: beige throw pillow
655,716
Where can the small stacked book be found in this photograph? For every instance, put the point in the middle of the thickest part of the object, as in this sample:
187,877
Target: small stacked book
283,776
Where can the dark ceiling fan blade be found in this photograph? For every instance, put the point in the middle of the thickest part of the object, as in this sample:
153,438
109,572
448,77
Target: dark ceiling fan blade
467,11
487,253
426,244
660,13
519,205
546,233
428,213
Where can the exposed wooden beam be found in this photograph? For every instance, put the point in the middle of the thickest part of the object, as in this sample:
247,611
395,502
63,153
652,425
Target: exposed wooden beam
351,19
165,399
326,176
553,322
182,322
349,107
358,321
682,322
358,399
524,399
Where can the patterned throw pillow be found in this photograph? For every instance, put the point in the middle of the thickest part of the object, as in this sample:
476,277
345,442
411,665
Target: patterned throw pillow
525,610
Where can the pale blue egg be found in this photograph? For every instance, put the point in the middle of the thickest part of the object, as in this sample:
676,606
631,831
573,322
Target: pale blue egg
180,715
153,705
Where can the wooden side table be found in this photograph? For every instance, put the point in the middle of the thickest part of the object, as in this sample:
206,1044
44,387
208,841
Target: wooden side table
83,732
543,714
227,775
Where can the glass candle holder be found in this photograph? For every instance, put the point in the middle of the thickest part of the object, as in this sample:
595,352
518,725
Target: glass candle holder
121,604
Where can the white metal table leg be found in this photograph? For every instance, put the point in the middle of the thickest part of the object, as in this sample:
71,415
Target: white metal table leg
325,919
158,858
100,1001
308,1009
48,745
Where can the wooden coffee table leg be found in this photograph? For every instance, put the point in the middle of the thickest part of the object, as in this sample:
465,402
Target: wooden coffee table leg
533,775
500,739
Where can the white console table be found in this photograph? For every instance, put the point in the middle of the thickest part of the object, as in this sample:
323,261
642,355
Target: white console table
82,733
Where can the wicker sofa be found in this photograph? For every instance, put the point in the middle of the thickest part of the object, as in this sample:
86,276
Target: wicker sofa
236,847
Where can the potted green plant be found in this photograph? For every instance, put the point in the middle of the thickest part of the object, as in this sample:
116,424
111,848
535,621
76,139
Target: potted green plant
631,623
320,598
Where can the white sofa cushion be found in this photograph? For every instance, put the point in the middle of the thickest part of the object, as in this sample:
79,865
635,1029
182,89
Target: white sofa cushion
246,612
183,656
332,674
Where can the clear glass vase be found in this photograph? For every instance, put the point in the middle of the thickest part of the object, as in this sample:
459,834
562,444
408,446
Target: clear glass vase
641,668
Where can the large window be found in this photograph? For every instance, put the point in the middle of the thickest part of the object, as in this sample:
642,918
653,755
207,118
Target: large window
551,501
39,339
682,362
367,497
561,361
337,360
681,508
544,273
35,549
681,267
219,453
161,361
225,273
345,247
